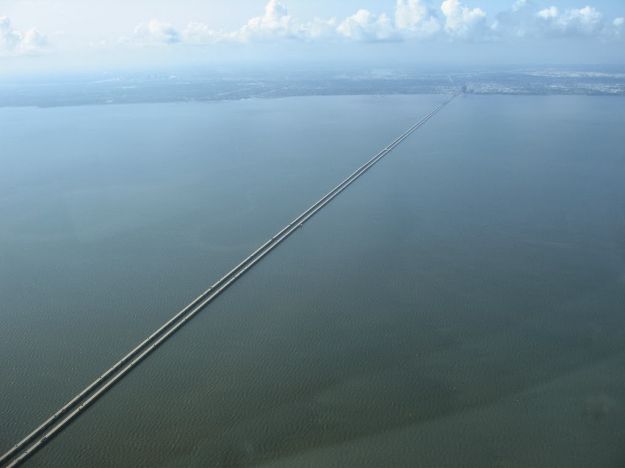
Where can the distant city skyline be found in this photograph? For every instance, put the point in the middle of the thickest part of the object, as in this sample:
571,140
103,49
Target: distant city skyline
57,34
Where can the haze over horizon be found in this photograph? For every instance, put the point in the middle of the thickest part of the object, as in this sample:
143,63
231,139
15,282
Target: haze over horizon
38,36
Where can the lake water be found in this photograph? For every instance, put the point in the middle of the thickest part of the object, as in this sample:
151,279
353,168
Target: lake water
462,304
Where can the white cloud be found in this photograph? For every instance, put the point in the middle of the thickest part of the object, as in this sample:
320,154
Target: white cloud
415,18
409,13
548,13
526,21
9,38
411,20
319,29
617,29
518,22
14,42
462,21
519,5
586,21
199,33
156,32
33,40
368,27
275,23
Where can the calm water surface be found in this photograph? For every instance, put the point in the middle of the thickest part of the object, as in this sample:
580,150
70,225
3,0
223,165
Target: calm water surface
463,304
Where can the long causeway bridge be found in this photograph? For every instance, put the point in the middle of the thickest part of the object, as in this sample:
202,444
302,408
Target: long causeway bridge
52,426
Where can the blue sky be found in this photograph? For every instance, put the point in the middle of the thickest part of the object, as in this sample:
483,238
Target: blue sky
52,34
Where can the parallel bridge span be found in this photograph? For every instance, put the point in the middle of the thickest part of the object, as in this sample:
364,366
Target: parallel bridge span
51,427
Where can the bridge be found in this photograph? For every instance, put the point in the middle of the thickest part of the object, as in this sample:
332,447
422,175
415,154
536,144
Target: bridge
52,426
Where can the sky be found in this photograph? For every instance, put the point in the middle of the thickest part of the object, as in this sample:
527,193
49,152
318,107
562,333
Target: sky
41,35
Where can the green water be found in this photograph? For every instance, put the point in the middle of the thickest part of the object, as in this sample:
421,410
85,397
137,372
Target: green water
460,305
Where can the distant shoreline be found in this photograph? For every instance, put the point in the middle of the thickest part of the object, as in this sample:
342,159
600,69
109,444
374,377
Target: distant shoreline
66,100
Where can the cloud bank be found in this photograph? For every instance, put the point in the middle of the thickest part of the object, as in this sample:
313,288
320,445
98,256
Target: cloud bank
446,21
585,21
451,20
14,42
